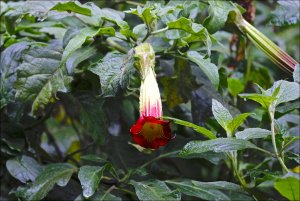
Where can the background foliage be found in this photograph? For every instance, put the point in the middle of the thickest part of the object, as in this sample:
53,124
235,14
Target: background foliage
69,95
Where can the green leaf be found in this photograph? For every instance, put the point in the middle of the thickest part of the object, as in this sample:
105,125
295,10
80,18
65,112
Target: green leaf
154,190
216,145
296,74
59,173
253,133
209,69
114,71
286,13
71,7
206,190
236,122
288,91
100,195
218,14
235,86
264,100
23,168
207,133
288,187
90,177
82,36
221,114
148,14
196,32
40,76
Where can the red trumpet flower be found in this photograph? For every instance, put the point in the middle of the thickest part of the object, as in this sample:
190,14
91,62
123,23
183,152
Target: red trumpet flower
150,131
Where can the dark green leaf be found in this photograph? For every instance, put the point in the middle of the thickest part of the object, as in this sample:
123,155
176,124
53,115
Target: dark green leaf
11,58
207,133
209,69
218,14
92,116
286,13
40,75
288,187
216,145
71,7
206,190
221,114
100,195
154,190
59,173
236,122
23,168
114,71
253,133
90,177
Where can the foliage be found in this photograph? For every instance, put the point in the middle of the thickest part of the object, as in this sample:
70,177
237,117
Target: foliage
69,95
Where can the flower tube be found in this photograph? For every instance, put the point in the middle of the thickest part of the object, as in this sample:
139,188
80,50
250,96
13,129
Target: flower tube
150,131
275,53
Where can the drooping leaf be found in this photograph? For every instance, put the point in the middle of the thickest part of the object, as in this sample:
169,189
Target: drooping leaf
253,133
59,173
215,145
235,86
23,168
209,69
236,122
207,190
221,114
114,71
196,32
40,76
218,14
90,177
288,187
154,190
296,74
286,13
207,133
82,36
71,7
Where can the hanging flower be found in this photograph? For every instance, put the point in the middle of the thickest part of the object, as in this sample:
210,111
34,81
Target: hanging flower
150,131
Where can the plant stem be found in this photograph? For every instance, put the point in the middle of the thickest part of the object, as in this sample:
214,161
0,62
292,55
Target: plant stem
159,157
272,113
116,46
235,169
159,31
